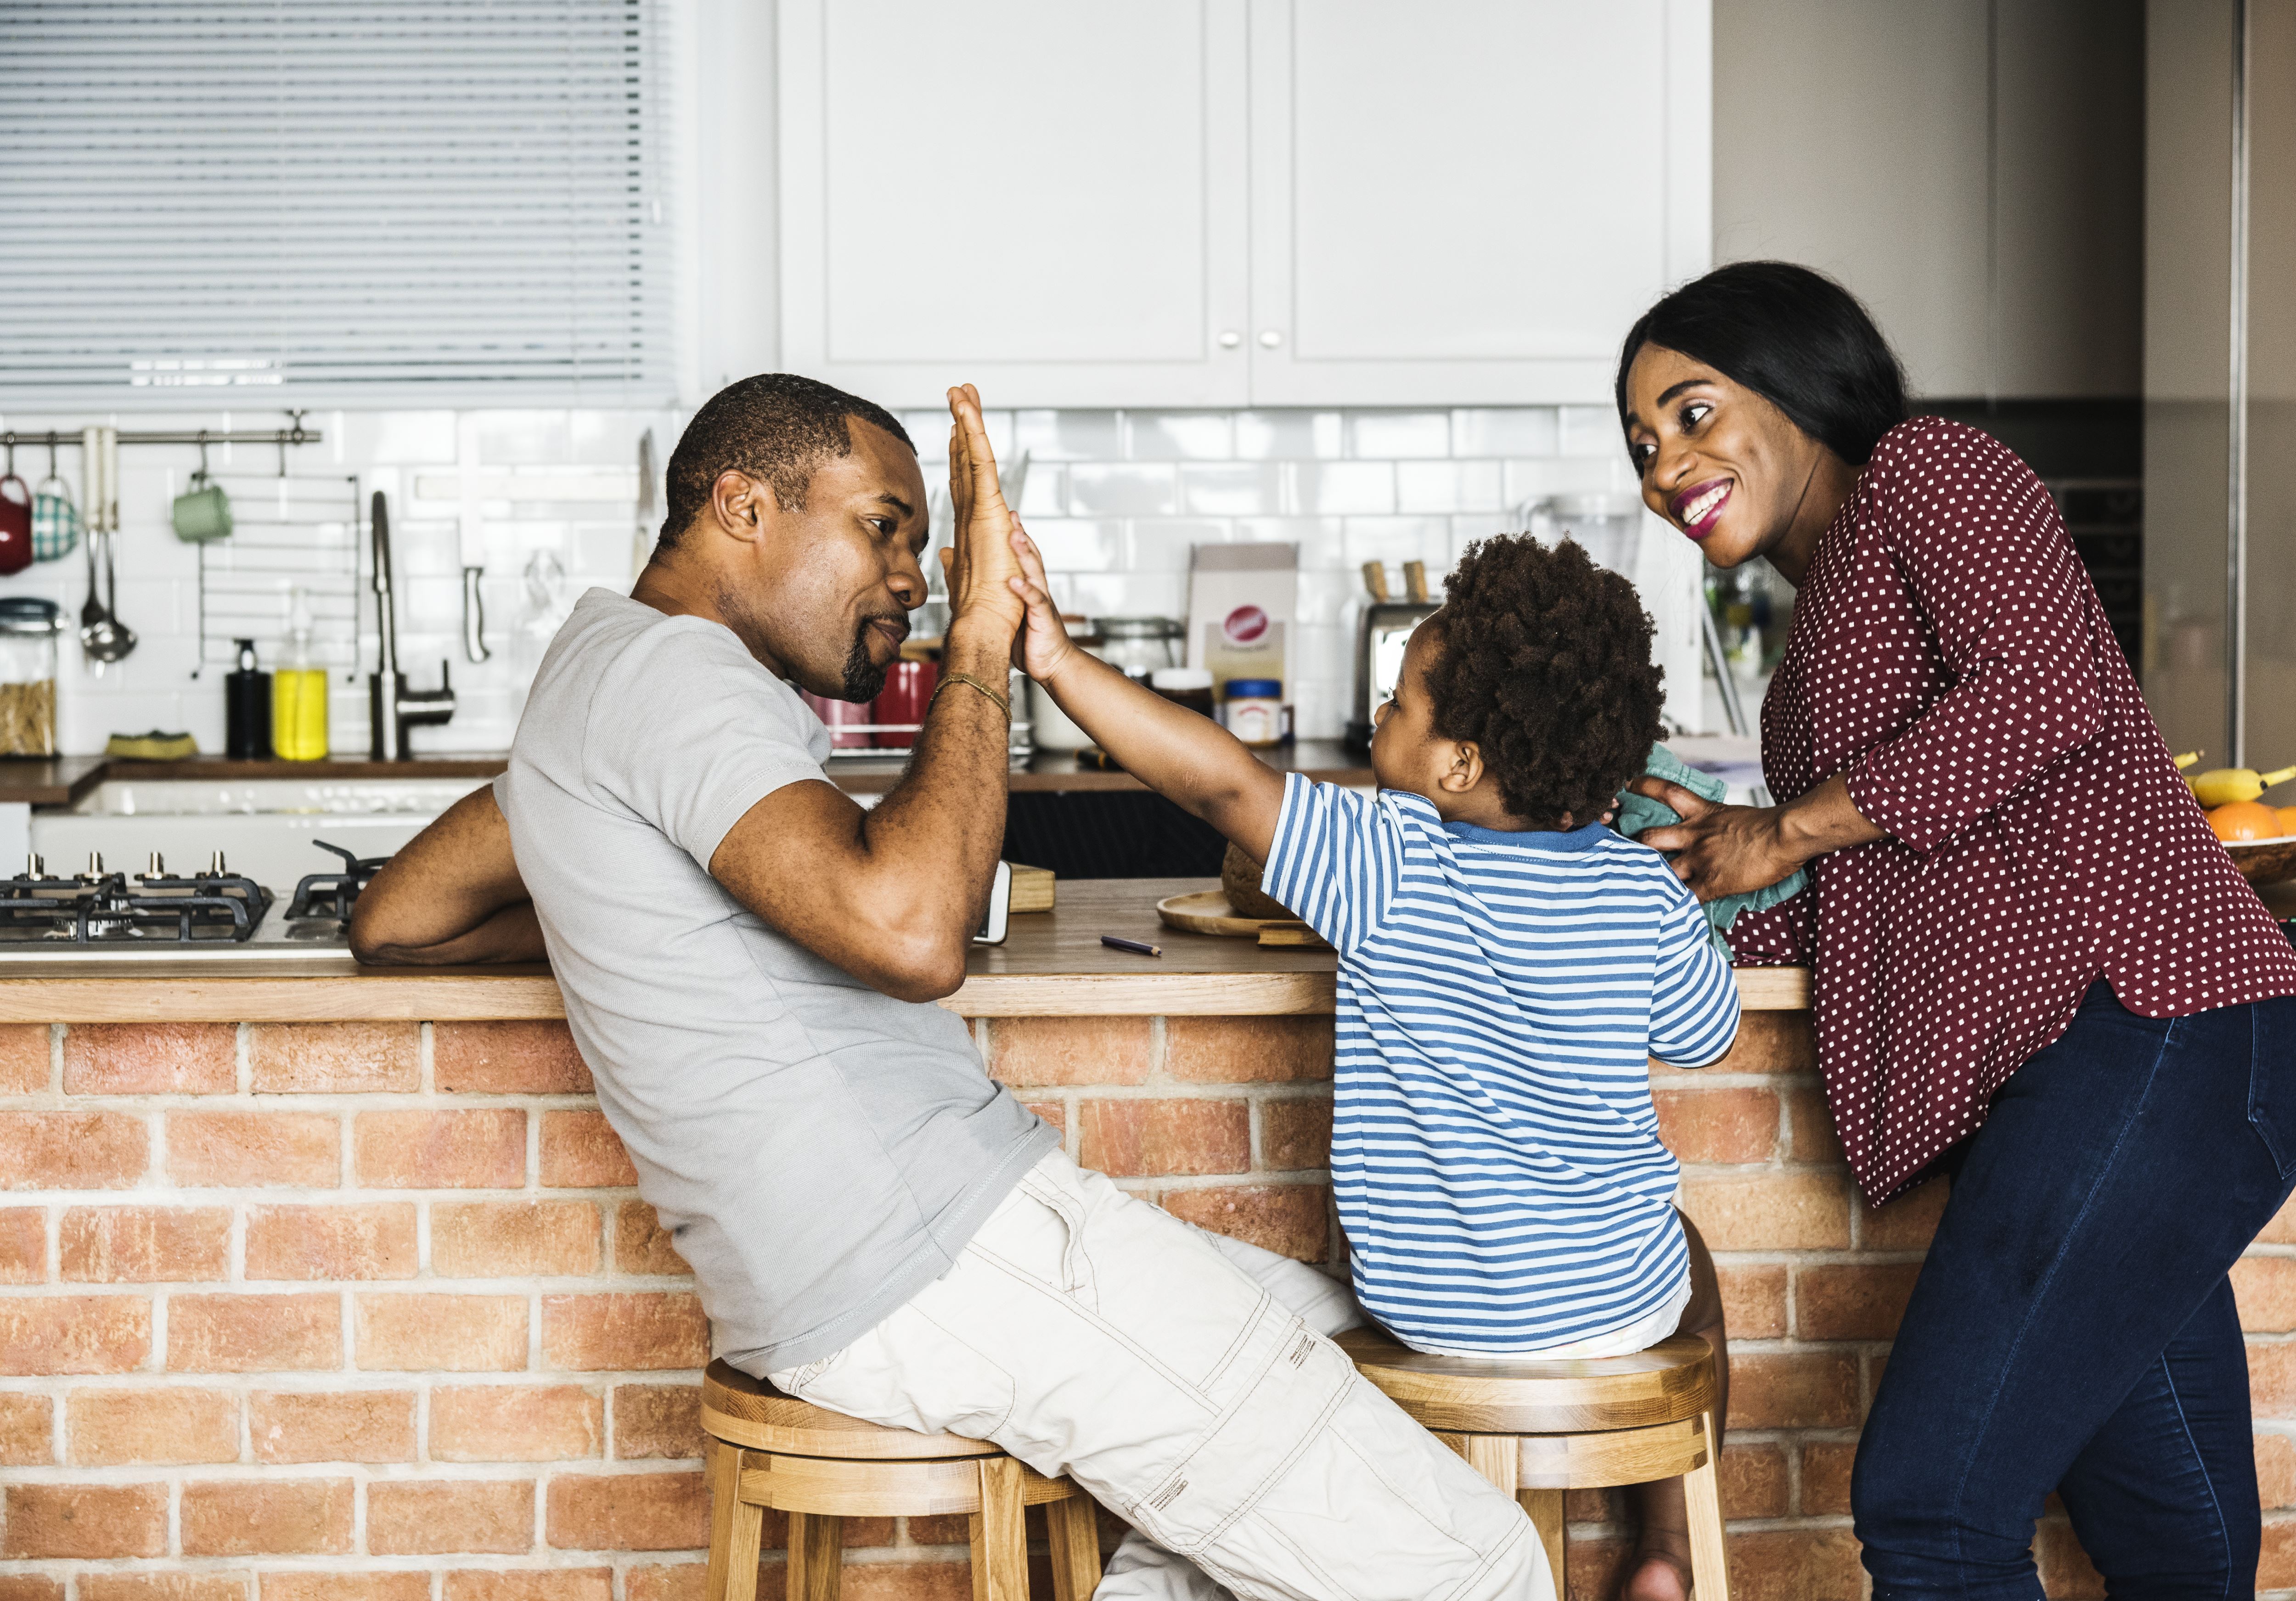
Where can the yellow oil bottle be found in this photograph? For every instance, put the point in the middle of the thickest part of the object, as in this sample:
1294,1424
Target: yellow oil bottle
299,694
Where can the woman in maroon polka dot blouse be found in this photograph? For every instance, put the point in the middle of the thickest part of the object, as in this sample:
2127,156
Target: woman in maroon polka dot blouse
2035,968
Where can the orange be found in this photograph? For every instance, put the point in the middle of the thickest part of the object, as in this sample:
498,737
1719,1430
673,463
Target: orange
2288,820
2246,820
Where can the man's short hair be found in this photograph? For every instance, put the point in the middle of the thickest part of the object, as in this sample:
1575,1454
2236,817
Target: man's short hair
777,427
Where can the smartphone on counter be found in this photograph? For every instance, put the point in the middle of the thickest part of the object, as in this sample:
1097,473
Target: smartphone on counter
1000,907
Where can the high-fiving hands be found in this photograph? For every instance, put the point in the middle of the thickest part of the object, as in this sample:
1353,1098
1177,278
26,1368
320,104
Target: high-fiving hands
978,561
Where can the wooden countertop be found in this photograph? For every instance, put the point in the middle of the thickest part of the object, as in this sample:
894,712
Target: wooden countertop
1052,964
60,780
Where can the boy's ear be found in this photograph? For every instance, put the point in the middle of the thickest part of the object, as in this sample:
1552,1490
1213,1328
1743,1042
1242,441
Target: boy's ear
1466,769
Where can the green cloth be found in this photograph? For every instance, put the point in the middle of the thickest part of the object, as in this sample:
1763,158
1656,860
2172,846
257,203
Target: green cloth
1637,812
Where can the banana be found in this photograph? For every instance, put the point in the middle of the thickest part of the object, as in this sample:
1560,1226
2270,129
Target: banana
2187,759
2222,785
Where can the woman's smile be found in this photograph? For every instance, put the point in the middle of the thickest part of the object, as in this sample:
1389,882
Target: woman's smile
1698,508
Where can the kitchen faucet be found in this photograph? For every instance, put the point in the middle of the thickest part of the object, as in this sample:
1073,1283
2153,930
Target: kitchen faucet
393,709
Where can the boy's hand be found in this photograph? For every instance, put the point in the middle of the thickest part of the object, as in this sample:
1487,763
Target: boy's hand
978,561
1043,648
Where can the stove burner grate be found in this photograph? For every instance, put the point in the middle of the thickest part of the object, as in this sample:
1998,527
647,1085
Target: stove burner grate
98,907
332,895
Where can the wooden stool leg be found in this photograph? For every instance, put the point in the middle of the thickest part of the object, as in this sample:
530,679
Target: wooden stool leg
1075,1528
736,1529
1710,1567
1000,1545
816,1557
1546,1509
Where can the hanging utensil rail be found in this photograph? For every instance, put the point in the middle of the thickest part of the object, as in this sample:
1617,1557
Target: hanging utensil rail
297,435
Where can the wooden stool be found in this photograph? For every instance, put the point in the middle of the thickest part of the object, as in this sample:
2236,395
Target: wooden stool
821,1467
1538,1429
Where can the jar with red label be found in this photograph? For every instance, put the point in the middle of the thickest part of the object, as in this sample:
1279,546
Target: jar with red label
1255,710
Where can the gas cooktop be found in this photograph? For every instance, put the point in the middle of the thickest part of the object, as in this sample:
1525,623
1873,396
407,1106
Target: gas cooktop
159,918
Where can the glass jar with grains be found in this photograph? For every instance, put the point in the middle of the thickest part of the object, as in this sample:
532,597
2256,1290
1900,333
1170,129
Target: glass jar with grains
28,628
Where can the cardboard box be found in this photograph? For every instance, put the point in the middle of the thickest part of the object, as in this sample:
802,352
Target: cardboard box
1243,607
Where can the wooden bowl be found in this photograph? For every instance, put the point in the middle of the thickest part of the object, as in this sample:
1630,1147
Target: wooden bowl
1207,911
2264,861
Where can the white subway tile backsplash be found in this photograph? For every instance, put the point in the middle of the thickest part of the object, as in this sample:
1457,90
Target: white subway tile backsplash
1230,488
1161,546
1344,488
1289,435
1124,488
1179,435
1397,540
1592,430
1395,436
1067,436
1448,487
1079,544
1504,431
1116,500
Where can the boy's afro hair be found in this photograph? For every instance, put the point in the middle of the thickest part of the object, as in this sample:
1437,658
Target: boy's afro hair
1545,665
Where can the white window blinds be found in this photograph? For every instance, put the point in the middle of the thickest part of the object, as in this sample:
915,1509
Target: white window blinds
333,202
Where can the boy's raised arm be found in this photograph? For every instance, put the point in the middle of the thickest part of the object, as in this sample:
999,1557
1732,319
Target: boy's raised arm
1181,755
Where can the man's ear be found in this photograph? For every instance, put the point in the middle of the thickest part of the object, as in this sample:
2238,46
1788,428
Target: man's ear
740,503
1466,769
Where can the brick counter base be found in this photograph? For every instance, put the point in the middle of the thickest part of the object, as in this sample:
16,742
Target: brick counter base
369,1311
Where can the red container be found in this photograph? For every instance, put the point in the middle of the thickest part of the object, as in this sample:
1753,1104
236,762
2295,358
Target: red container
15,524
841,715
908,690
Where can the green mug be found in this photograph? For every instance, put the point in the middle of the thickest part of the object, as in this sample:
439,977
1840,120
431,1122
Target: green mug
203,511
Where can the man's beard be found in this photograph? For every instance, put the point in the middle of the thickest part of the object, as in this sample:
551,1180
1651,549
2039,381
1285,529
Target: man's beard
863,677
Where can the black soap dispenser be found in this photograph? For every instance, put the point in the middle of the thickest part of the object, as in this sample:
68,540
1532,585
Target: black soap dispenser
247,709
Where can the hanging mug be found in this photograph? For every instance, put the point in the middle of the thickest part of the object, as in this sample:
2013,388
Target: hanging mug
203,511
55,520
15,524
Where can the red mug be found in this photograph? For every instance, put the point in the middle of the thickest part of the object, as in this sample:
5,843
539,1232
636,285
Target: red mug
15,524
841,715
908,690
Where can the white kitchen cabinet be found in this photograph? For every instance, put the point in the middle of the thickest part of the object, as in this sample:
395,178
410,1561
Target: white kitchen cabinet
1470,203
1222,202
1045,198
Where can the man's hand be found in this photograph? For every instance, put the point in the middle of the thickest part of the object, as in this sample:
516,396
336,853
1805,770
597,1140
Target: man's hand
978,561
452,895
1719,850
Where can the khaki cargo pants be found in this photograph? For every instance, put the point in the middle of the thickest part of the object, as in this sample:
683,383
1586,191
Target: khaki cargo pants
1171,1373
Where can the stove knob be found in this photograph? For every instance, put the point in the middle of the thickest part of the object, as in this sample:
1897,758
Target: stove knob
95,863
216,867
36,866
156,868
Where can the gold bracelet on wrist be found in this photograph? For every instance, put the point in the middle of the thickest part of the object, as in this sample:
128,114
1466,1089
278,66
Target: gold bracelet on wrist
1004,702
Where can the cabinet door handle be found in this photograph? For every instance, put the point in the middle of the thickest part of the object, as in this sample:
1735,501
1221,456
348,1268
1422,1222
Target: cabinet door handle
1270,337
1230,338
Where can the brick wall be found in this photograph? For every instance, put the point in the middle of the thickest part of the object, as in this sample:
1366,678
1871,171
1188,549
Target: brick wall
368,1311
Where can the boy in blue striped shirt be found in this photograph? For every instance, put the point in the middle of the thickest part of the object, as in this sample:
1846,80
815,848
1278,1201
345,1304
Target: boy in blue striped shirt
1507,964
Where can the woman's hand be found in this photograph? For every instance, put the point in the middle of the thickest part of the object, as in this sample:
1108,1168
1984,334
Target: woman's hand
1719,850
979,559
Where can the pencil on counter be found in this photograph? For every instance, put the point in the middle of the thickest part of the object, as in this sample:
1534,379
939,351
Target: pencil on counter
1138,947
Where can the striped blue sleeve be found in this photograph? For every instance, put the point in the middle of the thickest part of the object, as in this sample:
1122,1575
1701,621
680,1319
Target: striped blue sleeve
1333,861
1695,998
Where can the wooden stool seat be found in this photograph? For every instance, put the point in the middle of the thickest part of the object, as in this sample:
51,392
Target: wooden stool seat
771,1450
1538,1429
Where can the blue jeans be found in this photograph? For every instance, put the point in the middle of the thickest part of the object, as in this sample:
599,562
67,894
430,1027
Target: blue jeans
2073,1329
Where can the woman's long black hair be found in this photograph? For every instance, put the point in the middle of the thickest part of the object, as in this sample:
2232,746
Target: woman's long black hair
1795,337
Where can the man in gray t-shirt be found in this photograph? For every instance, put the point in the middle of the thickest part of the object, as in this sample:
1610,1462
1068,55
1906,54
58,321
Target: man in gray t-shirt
749,961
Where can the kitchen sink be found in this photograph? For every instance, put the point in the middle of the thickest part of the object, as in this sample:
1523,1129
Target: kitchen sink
265,827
